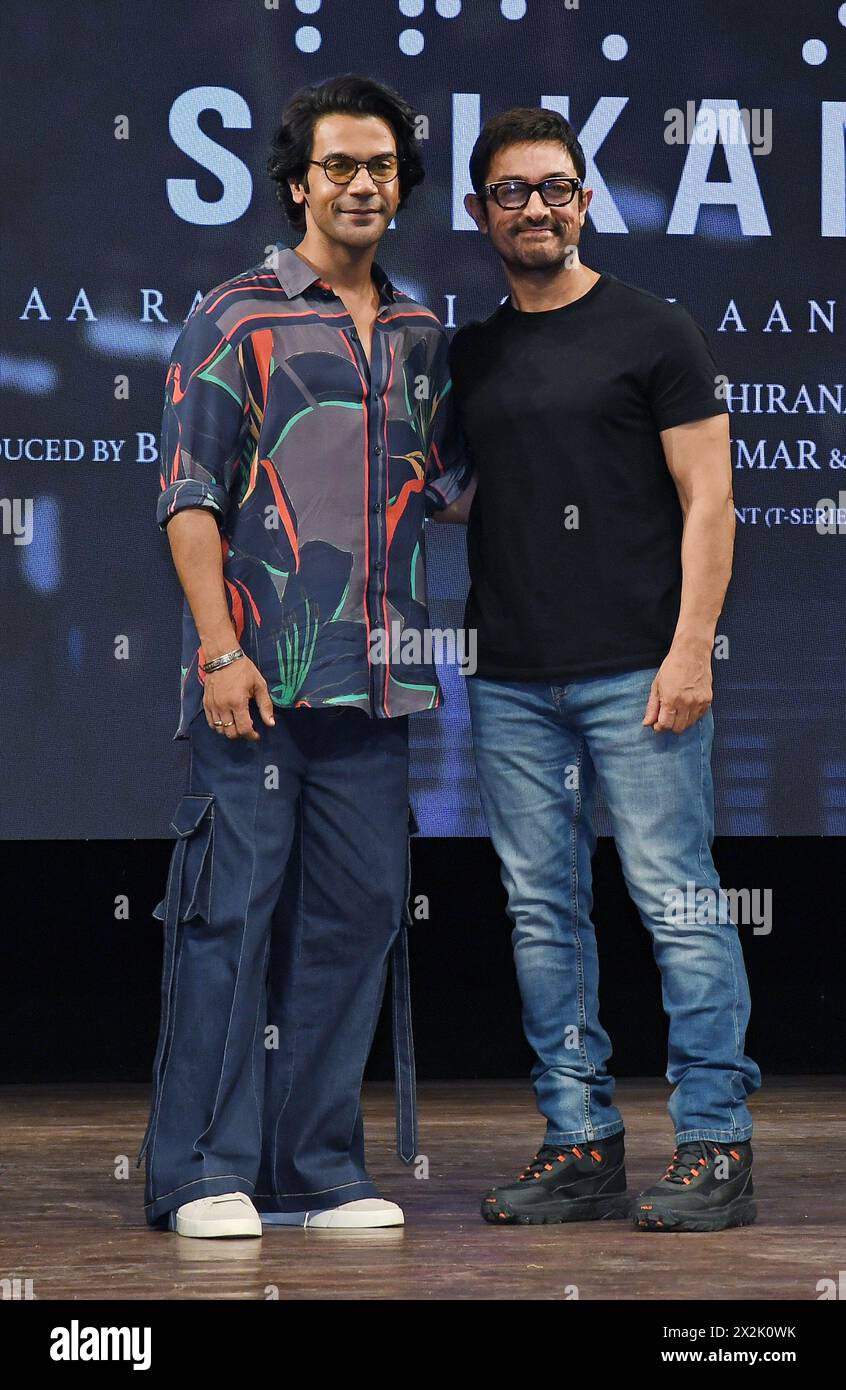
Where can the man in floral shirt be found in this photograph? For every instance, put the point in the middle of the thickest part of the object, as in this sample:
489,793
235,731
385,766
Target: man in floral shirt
308,430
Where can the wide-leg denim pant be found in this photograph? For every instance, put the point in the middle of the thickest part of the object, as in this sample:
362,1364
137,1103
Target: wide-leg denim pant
540,751
287,896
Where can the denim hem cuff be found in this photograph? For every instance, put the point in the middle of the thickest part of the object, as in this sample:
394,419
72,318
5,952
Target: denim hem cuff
579,1136
715,1136
190,1191
266,1202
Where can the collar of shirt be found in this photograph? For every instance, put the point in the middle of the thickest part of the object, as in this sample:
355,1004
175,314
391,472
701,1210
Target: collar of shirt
295,275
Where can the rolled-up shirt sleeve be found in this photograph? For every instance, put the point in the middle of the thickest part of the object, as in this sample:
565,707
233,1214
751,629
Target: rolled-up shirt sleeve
449,466
204,423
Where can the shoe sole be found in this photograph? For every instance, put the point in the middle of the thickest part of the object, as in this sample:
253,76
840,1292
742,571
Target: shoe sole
352,1221
615,1208
741,1212
317,1220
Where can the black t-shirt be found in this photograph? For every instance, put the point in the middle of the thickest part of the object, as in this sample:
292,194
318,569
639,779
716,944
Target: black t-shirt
561,409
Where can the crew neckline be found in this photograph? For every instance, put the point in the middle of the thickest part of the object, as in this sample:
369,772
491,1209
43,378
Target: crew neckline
544,315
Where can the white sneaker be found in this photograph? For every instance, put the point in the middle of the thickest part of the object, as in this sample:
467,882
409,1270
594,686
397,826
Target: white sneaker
364,1214
225,1214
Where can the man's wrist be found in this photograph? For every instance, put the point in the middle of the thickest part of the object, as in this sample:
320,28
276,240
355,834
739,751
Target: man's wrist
213,664
215,643
696,641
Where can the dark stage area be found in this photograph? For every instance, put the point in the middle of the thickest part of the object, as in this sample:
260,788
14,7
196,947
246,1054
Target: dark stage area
83,986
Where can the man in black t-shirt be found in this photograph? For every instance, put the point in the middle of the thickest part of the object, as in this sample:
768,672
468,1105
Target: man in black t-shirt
600,541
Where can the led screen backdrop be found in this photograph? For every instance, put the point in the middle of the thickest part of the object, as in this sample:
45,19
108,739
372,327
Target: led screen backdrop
136,138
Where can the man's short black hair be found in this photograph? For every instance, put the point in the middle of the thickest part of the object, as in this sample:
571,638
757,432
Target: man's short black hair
518,126
349,94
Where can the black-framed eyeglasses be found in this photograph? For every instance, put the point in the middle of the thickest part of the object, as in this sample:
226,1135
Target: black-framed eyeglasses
342,168
515,193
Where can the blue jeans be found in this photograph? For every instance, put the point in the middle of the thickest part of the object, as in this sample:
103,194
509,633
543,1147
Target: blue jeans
286,900
540,751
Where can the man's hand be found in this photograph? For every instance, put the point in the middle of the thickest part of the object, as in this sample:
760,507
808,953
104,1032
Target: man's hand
681,691
699,461
197,549
227,695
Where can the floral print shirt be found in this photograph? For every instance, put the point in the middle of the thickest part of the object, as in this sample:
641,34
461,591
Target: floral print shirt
319,468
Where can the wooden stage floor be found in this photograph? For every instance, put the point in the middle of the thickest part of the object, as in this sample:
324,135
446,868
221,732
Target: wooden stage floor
72,1221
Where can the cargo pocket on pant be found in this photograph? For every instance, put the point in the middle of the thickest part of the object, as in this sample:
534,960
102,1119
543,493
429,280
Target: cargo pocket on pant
188,896
193,821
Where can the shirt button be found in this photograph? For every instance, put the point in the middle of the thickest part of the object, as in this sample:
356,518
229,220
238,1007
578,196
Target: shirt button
379,565
353,333
377,507
378,449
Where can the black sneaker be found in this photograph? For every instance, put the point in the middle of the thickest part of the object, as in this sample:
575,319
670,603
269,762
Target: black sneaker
707,1187
577,1182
